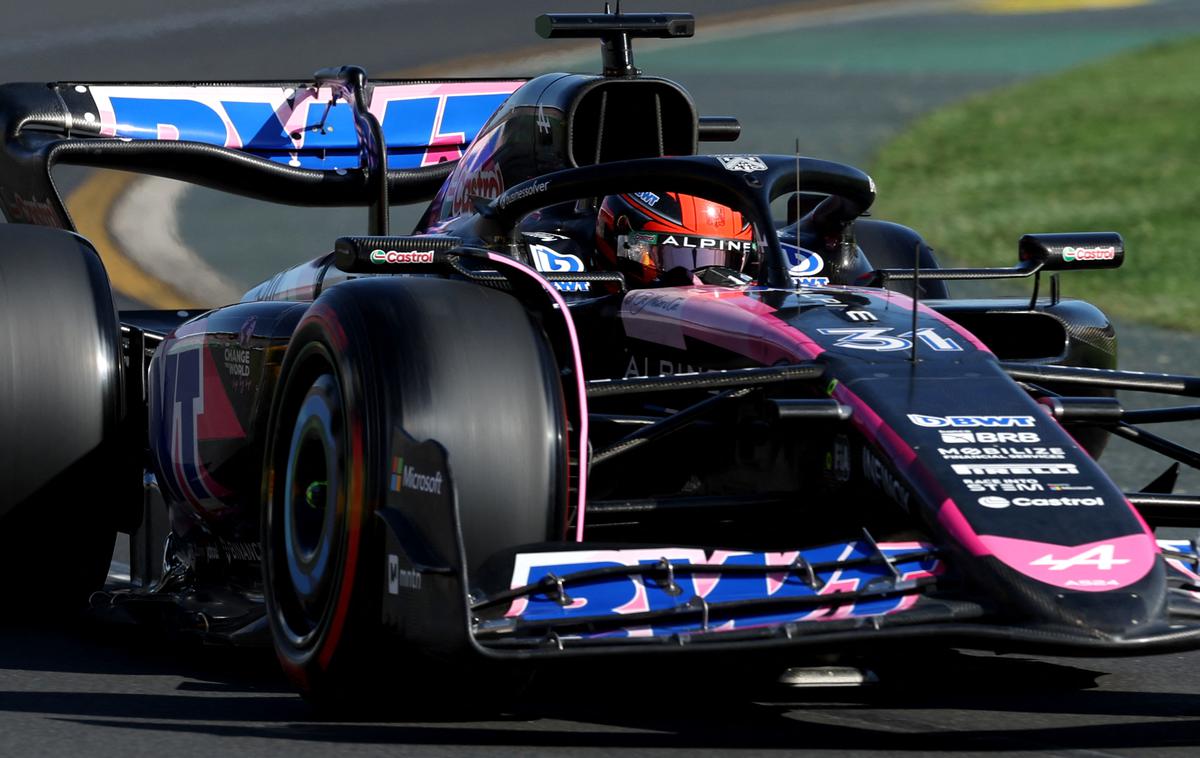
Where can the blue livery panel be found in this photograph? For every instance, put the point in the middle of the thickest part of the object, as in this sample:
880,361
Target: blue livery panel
302,126
850,567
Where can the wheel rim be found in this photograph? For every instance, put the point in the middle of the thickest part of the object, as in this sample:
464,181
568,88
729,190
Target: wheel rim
312,510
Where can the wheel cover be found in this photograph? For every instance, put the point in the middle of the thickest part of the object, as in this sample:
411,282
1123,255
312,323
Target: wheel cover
312,507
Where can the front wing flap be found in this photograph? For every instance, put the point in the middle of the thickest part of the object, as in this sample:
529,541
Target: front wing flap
665,591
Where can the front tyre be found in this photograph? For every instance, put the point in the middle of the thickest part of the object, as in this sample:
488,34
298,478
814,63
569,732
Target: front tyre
435,359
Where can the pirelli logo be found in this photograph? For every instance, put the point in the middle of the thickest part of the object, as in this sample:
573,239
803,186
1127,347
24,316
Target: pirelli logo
1014,469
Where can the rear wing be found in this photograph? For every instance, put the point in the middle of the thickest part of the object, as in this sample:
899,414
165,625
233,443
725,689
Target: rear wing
334,140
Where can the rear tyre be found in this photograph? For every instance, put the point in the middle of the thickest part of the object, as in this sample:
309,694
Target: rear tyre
437,359
60,411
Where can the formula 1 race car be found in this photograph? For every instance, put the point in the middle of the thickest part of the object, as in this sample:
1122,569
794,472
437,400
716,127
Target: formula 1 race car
611,395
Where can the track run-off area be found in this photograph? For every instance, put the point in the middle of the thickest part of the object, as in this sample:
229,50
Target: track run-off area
843,78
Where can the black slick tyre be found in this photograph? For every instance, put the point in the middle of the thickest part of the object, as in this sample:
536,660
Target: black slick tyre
436,359
60,412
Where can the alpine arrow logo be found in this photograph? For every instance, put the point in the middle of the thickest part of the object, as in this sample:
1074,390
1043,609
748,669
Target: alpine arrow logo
1102,557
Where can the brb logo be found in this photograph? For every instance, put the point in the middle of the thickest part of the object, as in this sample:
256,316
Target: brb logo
972,438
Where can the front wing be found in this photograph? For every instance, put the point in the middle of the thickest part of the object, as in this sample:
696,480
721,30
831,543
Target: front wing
566,600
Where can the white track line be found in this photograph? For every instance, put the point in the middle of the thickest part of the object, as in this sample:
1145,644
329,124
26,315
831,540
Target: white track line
145,224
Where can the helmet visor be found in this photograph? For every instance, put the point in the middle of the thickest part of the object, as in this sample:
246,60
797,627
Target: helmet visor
664,252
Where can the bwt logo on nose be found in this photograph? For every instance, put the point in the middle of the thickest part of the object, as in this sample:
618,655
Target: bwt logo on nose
939,422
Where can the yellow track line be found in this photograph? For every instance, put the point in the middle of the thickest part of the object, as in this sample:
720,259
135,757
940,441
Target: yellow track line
1054,6
90,205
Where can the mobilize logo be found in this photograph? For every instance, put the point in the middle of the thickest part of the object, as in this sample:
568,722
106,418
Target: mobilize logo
408,478
995,501
954,437
1002,453
938,422
398,256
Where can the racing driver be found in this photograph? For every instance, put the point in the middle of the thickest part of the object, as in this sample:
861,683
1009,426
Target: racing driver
669,239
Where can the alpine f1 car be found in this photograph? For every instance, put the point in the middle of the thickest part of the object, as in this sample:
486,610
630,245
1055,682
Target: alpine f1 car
611,396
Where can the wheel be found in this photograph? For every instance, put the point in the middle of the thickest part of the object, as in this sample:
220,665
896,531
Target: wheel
60,415
889,245
437,359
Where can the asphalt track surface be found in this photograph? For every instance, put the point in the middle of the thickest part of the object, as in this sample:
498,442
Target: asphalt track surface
105,691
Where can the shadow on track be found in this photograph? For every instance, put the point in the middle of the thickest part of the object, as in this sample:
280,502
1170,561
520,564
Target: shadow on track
135,681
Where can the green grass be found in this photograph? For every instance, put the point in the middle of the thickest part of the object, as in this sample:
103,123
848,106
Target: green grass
1109,146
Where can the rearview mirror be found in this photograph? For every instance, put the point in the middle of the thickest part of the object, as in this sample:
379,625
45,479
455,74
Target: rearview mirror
1073,251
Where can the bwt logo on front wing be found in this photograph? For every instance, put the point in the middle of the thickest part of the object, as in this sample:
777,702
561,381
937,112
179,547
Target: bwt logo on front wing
408,478
937,422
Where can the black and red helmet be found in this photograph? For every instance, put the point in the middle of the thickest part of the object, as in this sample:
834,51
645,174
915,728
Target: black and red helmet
646,234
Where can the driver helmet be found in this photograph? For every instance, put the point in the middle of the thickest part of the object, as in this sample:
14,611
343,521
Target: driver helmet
646,234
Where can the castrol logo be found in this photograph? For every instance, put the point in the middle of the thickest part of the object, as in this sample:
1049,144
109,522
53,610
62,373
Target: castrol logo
401,256
486,184
1072,254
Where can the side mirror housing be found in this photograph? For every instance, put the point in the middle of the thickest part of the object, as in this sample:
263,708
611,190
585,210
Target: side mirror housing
1073,251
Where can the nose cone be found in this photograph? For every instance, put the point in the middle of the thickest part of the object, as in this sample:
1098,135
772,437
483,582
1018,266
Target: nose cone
1126,613
1099,566
1116,586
